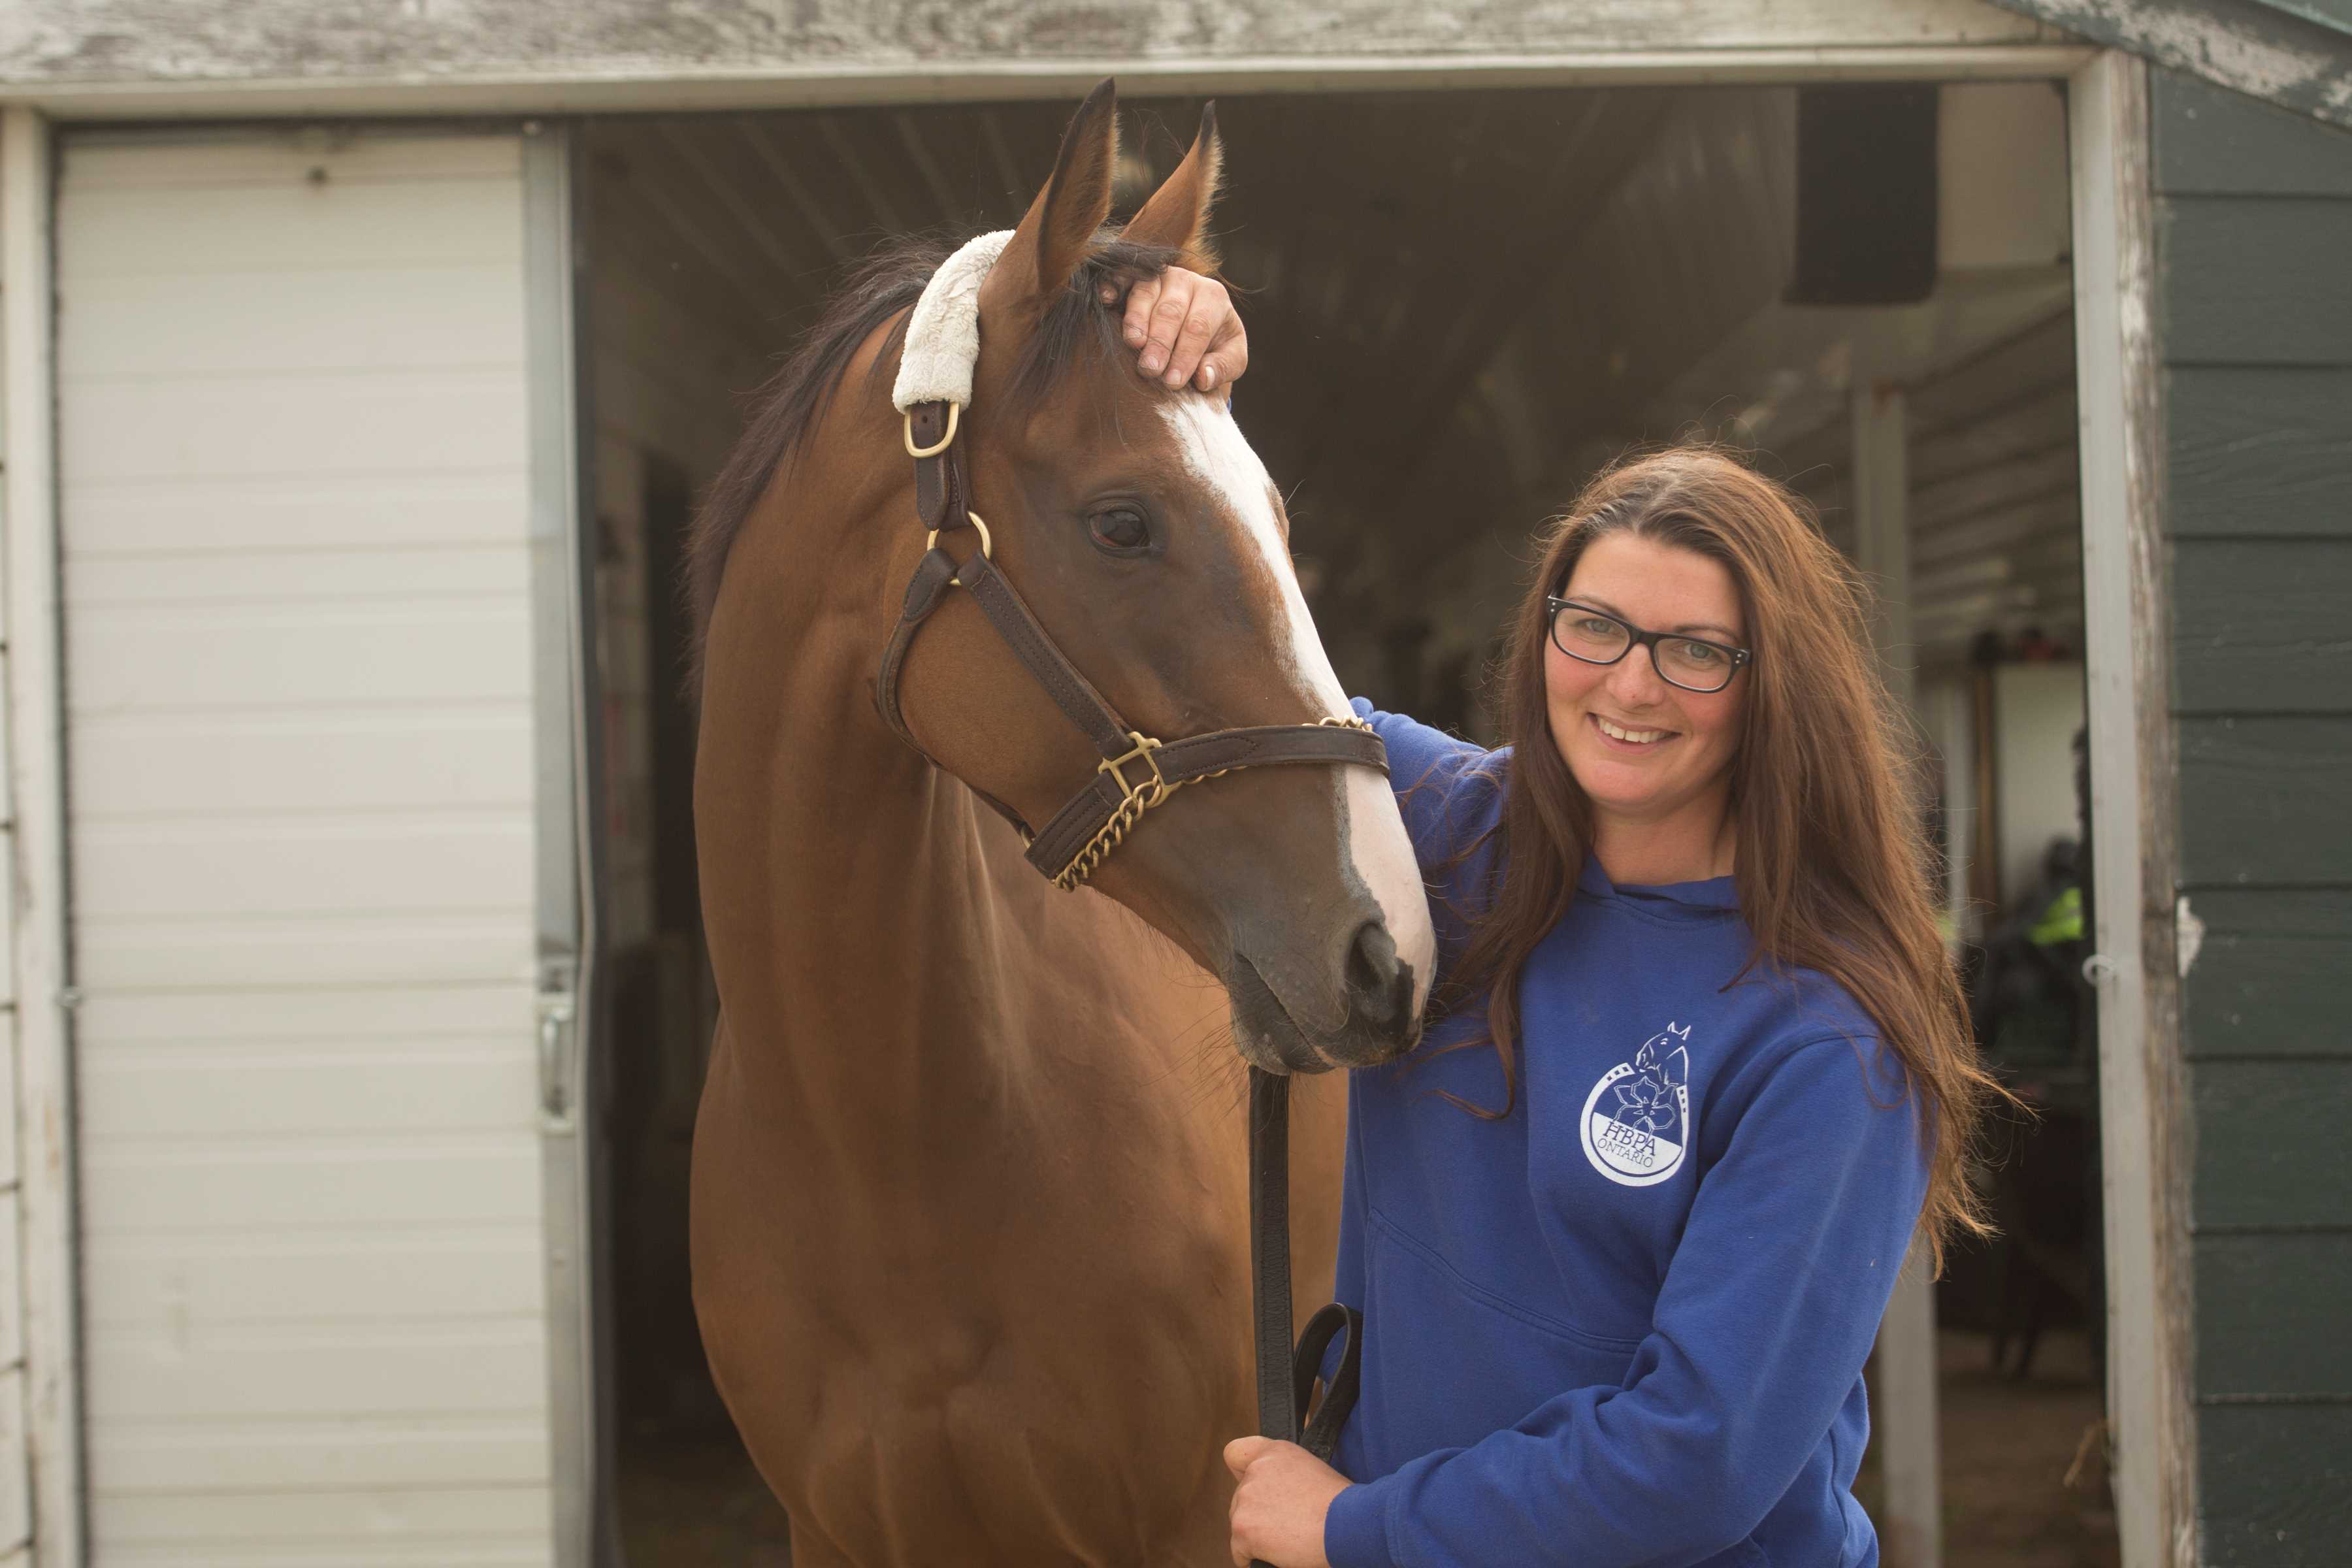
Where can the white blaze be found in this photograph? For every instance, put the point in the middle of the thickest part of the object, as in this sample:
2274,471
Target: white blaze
1219,456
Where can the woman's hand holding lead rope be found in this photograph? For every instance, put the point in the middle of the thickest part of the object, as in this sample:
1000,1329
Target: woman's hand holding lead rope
1281,1493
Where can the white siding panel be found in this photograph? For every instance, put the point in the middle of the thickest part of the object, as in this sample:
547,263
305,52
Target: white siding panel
469,1369
214,869
329,1518
345,950
341,1554
280,762
268,164
393,1453
202,580
353,425
201,1183
328,658
478,1271
294,470
334,1012
242,514
425,317
145,1092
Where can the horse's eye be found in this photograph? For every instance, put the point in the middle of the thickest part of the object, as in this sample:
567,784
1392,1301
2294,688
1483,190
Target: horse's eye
1119,529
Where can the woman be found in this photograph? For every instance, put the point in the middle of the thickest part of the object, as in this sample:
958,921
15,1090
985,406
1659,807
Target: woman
1624,1226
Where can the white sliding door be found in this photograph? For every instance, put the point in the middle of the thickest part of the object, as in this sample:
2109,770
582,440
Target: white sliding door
319,753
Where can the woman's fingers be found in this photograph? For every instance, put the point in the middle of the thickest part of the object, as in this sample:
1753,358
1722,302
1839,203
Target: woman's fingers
1208,317
1282,1495
1228,357
1184,329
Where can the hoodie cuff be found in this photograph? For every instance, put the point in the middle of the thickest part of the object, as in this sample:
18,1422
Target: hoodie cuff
1356,1528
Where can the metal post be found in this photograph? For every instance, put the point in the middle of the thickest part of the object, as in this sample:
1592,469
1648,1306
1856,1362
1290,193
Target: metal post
565,706
1909,1452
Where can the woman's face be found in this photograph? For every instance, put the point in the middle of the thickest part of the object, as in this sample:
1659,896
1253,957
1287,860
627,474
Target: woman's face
1641,749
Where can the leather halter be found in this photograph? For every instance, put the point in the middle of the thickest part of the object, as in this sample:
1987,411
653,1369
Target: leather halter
1136,773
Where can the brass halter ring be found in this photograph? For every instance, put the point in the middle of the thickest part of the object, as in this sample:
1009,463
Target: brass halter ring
932,540
907,433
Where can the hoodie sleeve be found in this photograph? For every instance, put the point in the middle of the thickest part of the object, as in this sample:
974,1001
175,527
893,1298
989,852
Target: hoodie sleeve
1761,1327
1445,787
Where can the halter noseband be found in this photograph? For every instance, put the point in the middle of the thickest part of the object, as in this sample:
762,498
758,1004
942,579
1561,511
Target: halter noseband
1136,771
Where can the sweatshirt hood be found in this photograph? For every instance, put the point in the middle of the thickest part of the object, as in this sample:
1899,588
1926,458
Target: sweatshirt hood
1703,900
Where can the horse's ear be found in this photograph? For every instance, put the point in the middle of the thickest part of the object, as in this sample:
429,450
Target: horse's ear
1177,215
1061,224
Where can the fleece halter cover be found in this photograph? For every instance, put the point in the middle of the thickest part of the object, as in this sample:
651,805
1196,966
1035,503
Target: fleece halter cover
943,334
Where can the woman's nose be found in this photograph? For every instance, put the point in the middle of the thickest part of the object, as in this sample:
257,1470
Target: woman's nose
1633,680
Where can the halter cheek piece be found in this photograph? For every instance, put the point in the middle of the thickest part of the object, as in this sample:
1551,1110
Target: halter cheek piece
1135,773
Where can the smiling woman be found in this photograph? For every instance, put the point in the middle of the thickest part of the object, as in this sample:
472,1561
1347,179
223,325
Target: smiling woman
1656,1226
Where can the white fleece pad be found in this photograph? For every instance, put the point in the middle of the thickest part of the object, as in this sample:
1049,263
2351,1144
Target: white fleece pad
943,334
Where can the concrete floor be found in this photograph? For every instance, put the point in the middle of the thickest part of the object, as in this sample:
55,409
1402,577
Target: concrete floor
2008,1447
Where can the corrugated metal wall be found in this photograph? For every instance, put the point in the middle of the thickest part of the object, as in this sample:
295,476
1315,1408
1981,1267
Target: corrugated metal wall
2254,250
294,478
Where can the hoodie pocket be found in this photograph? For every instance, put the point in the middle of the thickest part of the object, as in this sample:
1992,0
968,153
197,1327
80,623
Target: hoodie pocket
1474,1363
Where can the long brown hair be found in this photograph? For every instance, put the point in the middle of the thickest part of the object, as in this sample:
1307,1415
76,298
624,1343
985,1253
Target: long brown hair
1836,872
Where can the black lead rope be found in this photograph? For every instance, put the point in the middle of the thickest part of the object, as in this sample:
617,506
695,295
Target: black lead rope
1286,1376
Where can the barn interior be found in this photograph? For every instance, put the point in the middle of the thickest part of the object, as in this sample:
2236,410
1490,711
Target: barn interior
1460,303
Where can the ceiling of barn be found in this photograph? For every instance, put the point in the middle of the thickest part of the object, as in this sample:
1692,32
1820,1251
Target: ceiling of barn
1457,302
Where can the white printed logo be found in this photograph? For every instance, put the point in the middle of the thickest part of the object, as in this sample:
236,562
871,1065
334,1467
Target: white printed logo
1637,1121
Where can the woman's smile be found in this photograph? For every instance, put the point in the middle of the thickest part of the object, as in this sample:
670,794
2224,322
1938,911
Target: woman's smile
1630,737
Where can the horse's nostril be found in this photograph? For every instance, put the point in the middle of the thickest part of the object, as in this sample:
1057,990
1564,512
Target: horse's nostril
1380,987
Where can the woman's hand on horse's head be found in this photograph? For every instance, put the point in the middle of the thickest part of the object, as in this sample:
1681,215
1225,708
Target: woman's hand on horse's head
1186,330
1281,1493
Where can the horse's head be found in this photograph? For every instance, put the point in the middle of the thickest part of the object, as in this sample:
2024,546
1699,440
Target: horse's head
1147,537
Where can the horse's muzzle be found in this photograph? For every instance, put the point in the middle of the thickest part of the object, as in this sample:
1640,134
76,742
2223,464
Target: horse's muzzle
1379,1023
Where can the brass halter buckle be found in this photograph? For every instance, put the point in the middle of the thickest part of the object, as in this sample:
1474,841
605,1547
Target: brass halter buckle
1135,797
907,433
1150,794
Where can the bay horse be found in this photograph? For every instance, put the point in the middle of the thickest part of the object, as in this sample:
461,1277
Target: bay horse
968,1200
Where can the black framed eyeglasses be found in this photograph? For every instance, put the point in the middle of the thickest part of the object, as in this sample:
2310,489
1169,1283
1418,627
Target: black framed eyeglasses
1596,636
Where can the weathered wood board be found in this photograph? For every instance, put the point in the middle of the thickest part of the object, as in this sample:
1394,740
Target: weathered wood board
844,50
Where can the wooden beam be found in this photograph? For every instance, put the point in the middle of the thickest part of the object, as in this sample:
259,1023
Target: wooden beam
113,57
2133,817
37,780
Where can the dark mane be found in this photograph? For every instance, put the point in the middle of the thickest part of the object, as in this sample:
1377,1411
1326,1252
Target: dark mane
886,285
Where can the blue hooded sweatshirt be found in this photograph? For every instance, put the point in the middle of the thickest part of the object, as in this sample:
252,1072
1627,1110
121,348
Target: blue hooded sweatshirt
1625,1326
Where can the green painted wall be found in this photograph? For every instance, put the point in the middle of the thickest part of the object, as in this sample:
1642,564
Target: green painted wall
2253,213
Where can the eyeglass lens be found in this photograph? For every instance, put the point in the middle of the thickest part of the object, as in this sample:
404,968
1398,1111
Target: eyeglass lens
1583,634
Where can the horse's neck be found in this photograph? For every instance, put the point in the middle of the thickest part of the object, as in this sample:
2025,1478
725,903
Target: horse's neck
886,957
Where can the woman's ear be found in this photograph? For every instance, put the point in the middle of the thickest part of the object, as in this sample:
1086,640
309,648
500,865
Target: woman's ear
1177,215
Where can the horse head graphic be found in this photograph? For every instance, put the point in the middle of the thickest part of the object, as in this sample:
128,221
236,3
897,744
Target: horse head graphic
1649,1100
